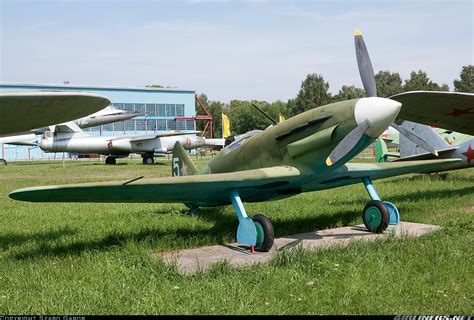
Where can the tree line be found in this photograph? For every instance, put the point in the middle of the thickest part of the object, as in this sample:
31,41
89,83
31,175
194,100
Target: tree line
314,92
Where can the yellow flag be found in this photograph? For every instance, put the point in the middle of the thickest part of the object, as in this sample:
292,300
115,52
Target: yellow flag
225,126
281,118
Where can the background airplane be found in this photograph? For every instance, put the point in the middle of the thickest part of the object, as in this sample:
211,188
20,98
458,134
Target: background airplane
105,116
409,151
70,138
308,152
23,111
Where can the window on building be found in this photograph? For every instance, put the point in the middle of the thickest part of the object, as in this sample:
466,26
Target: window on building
140,107
108,127
140,125
151,125
117,105
130,125
161,124
96,128
180,124
150,110
189,124
128,107
171,124
119,126
161,110
171,110
180,110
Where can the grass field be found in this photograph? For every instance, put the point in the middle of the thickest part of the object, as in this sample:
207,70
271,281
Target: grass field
96,258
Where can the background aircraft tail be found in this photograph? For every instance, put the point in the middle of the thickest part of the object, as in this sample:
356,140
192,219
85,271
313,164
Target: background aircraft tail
182,165
408,148
381,152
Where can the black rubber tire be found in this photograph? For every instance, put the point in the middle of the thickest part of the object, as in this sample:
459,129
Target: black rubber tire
385,216
268,232
3,162
110,160
147,159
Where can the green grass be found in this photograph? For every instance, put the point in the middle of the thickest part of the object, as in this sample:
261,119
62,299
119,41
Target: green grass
97,258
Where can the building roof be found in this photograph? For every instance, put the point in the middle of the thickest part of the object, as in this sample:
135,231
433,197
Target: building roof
91,87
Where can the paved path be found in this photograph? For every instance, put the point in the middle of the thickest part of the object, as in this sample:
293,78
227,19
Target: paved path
191,260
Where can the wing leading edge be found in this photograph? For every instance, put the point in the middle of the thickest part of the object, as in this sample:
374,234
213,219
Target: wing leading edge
208,188
353,172
448,110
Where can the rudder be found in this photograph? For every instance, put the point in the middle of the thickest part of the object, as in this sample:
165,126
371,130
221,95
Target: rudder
181,164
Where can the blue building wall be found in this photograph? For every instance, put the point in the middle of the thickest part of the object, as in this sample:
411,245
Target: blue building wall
161,105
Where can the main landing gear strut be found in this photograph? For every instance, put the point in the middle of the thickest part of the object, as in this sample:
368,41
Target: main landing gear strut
256,232
377,214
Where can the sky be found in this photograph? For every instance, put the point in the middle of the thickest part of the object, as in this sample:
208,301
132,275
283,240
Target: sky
256,49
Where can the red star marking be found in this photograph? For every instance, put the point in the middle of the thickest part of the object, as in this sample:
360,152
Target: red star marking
459,112
469,154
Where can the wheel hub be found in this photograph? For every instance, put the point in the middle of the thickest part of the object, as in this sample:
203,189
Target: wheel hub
260,234
373,216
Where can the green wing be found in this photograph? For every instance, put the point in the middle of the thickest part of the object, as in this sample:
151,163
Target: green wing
23,111
354,172
208,188
448,110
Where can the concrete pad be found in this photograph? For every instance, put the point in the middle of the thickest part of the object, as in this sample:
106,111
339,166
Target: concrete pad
191,260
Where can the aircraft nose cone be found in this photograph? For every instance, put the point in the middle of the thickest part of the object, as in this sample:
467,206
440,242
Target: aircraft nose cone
380,112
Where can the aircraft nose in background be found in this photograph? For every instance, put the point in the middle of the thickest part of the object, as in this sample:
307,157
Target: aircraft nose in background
380,112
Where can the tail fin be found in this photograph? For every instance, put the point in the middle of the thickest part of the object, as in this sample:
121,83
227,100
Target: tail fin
408,148
182,165
381,152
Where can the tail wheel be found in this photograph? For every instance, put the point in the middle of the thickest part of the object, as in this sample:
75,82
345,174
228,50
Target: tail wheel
376,216
265,233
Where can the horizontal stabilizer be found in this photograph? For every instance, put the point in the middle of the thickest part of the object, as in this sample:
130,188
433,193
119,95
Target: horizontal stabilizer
22,111
448,110
427,155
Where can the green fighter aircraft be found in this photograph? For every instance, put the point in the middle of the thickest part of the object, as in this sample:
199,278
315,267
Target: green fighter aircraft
305,153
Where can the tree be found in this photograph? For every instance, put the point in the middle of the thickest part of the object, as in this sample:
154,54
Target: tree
349,92
388,83
313,93
420,81
216,109
466,83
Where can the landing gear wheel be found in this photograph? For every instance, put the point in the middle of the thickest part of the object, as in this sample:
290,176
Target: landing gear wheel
3,162
265,233
148,159
376,217
110,160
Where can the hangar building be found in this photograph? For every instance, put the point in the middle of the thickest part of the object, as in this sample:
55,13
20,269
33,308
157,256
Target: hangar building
162,107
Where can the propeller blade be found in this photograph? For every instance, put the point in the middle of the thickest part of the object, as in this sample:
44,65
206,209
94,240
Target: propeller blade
415,139
366,71
348,143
